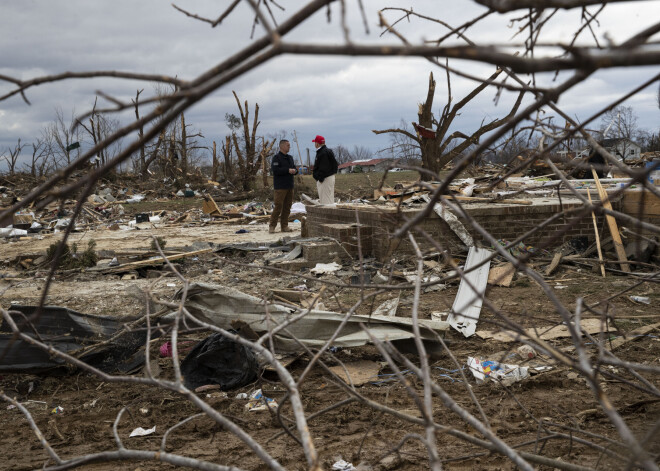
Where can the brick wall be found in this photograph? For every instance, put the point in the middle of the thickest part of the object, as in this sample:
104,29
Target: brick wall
507,222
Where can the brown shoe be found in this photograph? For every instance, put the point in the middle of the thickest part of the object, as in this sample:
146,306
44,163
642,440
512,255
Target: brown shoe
271,230
287,229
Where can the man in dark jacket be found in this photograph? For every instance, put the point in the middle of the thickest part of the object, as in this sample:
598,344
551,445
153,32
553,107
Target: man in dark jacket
283,169
325,168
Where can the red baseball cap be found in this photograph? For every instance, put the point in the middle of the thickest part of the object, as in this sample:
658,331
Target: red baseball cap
319,139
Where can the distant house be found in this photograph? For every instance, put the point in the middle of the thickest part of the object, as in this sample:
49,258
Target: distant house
370,165
623,148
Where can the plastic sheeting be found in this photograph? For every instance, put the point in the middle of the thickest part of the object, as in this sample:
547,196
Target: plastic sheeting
67,331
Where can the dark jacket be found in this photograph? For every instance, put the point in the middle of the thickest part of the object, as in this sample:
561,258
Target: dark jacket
325,164
279,167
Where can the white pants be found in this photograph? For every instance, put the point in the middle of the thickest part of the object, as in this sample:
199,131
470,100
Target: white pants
326,190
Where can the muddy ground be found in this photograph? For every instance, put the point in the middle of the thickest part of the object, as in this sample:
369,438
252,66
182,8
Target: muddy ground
556,399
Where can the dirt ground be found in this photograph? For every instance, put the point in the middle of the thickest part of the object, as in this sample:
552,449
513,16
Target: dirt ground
556,399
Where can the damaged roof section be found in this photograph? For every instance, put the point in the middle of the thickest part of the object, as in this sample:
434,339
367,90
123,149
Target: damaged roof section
223,306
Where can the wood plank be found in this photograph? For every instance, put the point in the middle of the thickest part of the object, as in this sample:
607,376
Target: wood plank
600,252
591,326
556,260
360,372
611,222
478,199
634,199
152,261
210,207
502,275
632,335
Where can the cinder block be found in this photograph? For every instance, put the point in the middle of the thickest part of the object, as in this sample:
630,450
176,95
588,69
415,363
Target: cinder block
347,235
323,252
294,265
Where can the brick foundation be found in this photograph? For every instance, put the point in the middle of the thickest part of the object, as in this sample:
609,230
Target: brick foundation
502,221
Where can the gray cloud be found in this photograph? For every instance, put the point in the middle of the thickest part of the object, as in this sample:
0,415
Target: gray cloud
342,98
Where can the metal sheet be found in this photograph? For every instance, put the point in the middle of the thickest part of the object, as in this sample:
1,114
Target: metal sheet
467,304
452,221
220,305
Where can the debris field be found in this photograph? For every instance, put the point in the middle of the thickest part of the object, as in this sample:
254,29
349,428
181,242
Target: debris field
495,343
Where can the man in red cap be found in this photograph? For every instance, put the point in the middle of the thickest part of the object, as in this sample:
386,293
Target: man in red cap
325,168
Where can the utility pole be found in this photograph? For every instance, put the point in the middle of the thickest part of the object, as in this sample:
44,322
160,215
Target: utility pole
302,165
295,138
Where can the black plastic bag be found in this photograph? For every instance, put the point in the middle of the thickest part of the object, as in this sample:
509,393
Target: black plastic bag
219,360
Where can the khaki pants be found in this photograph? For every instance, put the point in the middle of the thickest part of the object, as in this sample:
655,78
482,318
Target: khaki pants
283,200
326,190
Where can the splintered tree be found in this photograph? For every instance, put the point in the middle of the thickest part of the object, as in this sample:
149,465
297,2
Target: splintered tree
142,165
65,137
174,152
39,161
437,148
248,157
99,127
12,157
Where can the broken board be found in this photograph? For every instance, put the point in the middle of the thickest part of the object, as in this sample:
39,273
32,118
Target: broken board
502,275
360,372
591,326
388,308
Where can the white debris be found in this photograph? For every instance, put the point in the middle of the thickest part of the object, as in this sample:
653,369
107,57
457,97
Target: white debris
325,268
141,432
135,199
342,465
496,371
9,231
298,208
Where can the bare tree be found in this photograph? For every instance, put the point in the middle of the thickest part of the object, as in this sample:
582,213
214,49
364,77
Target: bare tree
66,138
40,151
361,153
99,127
228,169
12,156
620,122
143,161
650,141
176,147
342,154
248,157
437,148
402,146
619,129
438,415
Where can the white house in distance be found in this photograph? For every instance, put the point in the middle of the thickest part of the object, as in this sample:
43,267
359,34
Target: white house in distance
623,148
370,165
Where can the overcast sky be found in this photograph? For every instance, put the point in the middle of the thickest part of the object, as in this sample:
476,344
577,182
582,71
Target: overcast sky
340,98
